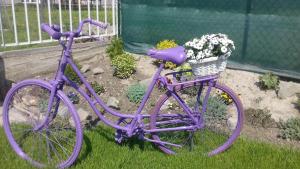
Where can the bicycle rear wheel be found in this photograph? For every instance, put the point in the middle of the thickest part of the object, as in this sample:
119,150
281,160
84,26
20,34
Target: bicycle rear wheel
221,122
44,139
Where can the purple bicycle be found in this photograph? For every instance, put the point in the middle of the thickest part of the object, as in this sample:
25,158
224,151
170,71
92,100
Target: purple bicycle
43,127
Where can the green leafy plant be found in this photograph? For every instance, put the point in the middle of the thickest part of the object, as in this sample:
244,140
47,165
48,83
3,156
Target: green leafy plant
115,48
70,73
136,92
97,87
290,129
166,44
216,109
297,104
184,67
124,65
269,81
259,118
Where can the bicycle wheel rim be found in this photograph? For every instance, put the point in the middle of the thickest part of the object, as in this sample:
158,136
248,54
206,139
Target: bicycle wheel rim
14,143
233,136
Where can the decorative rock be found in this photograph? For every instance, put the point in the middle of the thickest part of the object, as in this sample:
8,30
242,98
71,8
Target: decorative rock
113,103
288,89
97,71
232,122
85,68
63,111
29,100
83,114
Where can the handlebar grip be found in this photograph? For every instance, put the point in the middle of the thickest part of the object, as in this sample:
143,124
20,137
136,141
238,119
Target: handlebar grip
100,24
46,28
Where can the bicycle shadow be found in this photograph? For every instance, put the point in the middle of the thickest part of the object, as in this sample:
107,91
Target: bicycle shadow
86,149
132,143
5,84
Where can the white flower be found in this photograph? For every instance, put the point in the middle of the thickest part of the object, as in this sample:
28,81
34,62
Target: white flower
224,49
211,46
190,53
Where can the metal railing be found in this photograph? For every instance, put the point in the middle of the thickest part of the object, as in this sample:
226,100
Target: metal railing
20,20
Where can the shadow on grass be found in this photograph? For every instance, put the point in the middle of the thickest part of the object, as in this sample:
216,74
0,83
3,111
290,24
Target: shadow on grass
132,143
86,150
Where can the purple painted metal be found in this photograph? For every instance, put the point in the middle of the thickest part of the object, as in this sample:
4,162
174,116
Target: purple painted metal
64,98
176,55
212,84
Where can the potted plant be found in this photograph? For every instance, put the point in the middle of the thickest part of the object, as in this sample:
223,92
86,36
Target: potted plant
208,55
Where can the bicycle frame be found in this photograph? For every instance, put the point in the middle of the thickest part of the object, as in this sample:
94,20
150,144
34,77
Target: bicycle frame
137,118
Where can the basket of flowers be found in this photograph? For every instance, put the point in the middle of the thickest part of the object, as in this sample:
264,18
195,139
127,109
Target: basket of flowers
208,55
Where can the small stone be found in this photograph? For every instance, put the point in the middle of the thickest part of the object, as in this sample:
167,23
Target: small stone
63,111
113,103
85,68
232,122
83,114
29,100
97,71
288,89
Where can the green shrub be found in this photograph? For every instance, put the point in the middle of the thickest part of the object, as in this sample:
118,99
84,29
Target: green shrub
70,73
290,129
259,118
124,65
298,101
115,48
136,92
185,67
166,44
269,81
97,87
216,109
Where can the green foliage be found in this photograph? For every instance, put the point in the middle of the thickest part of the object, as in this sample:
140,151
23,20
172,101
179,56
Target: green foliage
185,67
269,81
166,44
97,87
124,65
136,92
298,101
290,129
259,118
216,109
115,48
70,73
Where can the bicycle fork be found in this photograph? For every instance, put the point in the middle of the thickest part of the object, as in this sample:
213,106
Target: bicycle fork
50,115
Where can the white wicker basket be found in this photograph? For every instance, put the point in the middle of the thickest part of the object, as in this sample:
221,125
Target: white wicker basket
208,66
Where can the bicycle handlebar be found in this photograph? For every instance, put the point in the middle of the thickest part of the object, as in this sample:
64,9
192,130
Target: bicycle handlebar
57,35
54,34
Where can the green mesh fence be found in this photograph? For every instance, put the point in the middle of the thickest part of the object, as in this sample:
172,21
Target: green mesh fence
266,32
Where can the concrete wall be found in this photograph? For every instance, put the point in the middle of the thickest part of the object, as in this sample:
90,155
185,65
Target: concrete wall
22,64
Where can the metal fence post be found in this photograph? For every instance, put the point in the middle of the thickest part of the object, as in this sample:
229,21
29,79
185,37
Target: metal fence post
1,28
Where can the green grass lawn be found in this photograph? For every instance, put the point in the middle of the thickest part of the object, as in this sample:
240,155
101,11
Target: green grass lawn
33,23
100,151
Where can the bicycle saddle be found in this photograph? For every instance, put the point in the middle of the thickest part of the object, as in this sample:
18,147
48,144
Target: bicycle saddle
175,55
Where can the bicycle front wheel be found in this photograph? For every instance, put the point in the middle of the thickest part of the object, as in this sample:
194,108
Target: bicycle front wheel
45,139
221,123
